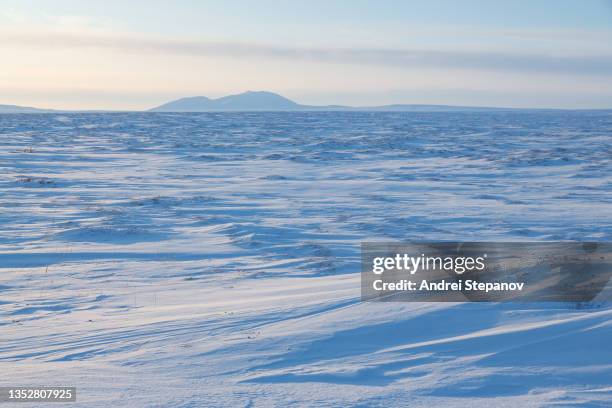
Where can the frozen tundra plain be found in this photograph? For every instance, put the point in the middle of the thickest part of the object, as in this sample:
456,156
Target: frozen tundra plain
194,260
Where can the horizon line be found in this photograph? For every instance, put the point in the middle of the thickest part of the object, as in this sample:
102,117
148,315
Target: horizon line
300,107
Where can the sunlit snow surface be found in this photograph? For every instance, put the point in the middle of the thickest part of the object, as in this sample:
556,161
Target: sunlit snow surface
189,260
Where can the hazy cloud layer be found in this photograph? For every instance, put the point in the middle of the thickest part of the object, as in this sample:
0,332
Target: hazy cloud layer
495,61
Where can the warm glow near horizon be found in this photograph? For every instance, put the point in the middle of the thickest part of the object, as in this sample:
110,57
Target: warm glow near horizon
137,55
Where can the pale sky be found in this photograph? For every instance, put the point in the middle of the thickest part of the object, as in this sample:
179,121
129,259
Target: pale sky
129,54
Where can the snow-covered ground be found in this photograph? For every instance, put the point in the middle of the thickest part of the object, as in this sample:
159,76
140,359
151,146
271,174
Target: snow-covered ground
189,260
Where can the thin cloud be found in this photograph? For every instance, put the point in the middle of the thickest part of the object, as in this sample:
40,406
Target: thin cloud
484,60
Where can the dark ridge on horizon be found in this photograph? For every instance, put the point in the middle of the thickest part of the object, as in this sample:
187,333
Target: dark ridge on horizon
253,101
269,101
22,109
246,101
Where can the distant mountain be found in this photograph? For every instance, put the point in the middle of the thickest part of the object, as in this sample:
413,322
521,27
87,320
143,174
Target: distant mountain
21,109
269,101
266,101
247,101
